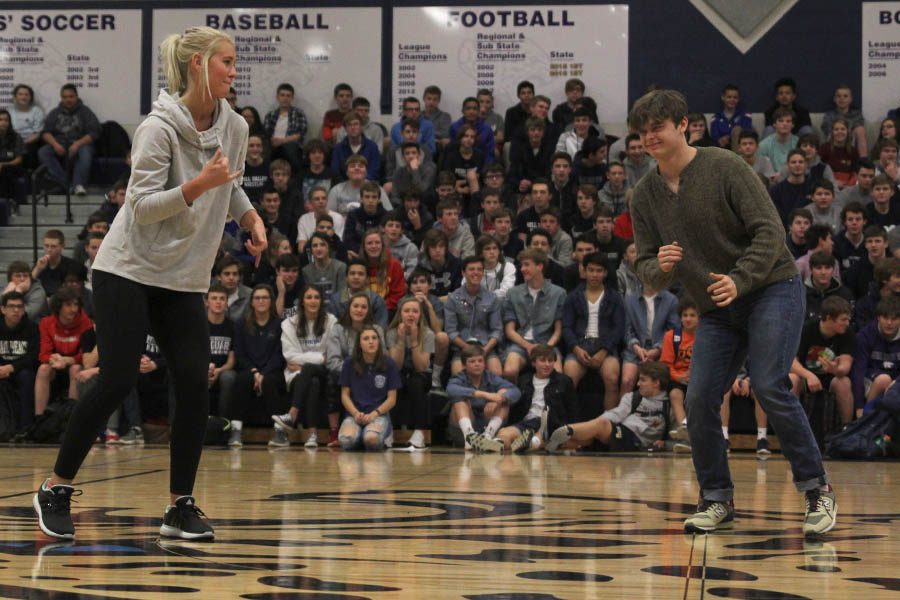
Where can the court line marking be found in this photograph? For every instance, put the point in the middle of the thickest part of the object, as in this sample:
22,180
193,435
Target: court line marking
703,571
31,492
690,565
85,467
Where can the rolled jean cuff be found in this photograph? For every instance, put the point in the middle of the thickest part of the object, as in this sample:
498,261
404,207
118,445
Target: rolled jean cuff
721,495
814,483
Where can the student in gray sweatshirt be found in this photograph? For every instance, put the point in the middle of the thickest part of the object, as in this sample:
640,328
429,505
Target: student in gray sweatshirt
701,217
154,267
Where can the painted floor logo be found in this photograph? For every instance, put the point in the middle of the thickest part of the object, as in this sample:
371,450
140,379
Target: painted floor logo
743,23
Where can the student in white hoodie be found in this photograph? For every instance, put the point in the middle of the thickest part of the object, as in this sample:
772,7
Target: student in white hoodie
303,346
152,273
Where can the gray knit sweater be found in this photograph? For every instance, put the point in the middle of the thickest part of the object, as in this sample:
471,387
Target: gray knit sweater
724,220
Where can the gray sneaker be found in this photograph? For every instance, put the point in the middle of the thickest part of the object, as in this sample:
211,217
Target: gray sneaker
679,434
821,512
558,438
280,438
285,421
234,438
523,442
482,443
710,515
134,436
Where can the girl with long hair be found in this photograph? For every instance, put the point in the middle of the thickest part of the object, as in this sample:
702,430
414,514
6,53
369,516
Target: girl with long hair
385,271
12,153
840,154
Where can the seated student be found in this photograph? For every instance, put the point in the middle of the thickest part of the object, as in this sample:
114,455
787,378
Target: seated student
582,220
432,307
20,342
286,127
255,124
441,120
539,239
862,273
325,226
848,243
853,119
288,285
794,191
96,223
258,382
394,157
486,112
529,219
818,239
623,227
747,148
517,114
612,194
886,283
274,218
417,219
372,130
491,202
564,114
572,141
410,343
51,268
401,247
472,316
563,187
306,377
444,187
823,208
484,136
357,282
885,207
885,153
384,271
416,175
334,118
560,241
499,273
551,403
589,165
510,243
344,197
611,247
356,144
816,170
463,159
443,267
70,131
697,133
638,422
18,275
114,199
306,225
221,348
480,402
60,350
637,162
411,109
821,283
627,278
369,383
531,314
363,218
529,159
292,198
677,349
316,173
876,361
731,120
839,154
799,221
76,282
785,100
648,317
825,356
593,321
255,177
460,242
327,274
776,147
91,248
573,275
228,273
862,191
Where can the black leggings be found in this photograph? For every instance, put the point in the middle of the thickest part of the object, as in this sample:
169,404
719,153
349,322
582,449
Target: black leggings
413,405
308,394
125,312
245,405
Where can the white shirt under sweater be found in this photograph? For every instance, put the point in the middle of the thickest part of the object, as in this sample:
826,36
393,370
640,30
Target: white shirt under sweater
529,334
593,324
281,126
651,314
537,400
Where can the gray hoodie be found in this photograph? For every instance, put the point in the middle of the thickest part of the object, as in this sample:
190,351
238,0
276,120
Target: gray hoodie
156,238
407,253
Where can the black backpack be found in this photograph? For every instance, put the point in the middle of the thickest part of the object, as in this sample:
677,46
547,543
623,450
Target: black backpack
49,427
865,438
8,403
113,142
217,431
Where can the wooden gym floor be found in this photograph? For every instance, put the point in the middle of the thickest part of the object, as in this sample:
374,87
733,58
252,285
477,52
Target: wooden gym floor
298,524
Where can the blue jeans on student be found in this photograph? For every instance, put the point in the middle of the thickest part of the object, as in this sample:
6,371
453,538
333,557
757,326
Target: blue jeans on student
763,327
56,165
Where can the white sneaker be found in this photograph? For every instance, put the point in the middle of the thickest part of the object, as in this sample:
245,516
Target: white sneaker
312,441
80,191
417,439
285,421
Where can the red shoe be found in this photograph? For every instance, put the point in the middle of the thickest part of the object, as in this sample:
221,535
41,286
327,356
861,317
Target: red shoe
333,439
111,437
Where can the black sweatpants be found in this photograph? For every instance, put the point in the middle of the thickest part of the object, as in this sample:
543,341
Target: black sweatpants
308,394
413,405
125,312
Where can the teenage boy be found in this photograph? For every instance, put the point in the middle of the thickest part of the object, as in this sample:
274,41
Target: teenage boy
876,362
411,109
560,241
677,349
862,273
638,422
443,266
551,400
589,163
748,148
862,191
419,286
887,283
228,272
818,239
785,99
794,191
531,314
636,161
611,247
776,147
574,273
401,247
70,131
334,118
20,342
517,114
51,268
417,220
480,402
357,281
323,272
221,347
60,346
306,225
493,120
823,209
510,244
582,220
255,177
415,175
472,316
273,217
460,242
563,188
490,204
484,137
18,275
540,240
821,283
825,356
316,174
732,258
593,325
344,197
529,219
564,114
431,98
288,285
799,221
286,127
530,158
885,207
372,130
572,140
363,218
848,243
356,144
731,120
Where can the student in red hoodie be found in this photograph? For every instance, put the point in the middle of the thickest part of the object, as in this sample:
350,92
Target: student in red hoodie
385,271
60,345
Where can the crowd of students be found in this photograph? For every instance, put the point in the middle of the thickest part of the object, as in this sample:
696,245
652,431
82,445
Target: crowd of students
480,271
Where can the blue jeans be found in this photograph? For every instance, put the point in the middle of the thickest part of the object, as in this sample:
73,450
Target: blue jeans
764,328
56,165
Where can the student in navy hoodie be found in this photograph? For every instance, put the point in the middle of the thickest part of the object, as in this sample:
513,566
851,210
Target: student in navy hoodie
876,361
367,216
731,119
20,341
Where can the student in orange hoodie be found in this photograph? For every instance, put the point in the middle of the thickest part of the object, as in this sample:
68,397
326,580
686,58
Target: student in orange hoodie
677,348
60,345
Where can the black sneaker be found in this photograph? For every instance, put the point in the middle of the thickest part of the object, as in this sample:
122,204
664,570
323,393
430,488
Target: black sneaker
52,508
762,448
186,521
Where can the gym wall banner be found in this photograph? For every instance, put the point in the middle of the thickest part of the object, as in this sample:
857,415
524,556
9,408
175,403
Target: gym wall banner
880,58
95,49
313,49
462,49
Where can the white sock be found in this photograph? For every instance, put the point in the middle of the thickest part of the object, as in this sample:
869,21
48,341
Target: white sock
684,422
44,485
466,425
436,372
760,433
237,424
493,427
725,432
